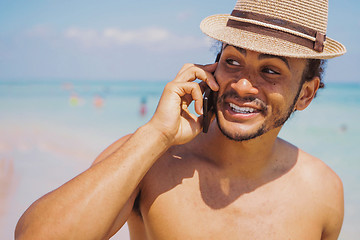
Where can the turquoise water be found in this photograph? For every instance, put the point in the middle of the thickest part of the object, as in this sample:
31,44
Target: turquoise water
49,132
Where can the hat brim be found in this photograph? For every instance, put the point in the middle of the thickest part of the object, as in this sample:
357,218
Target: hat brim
215,27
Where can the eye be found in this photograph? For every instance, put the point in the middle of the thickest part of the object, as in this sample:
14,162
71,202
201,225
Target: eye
270,71
232,62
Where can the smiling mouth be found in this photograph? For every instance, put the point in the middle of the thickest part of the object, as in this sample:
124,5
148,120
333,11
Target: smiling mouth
242,110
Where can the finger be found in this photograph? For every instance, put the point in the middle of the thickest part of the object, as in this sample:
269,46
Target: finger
208,67
193,89
191,72
184,68
194,120
187,99
203,86
190,121
210,80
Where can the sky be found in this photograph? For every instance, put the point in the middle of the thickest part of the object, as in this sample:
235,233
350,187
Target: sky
66,40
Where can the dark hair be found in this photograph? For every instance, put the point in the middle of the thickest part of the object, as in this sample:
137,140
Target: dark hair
314,68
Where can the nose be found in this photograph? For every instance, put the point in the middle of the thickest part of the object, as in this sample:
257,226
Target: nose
244,87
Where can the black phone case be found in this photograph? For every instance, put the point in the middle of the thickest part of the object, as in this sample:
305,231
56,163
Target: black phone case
208,104
207,109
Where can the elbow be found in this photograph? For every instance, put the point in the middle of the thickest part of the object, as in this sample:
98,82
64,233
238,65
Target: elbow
27,234
27,231
22,233
19,233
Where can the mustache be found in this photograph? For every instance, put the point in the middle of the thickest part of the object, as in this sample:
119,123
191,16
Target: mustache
249,99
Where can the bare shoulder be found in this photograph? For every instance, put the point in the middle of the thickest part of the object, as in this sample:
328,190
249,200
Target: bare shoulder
327,190
319,173
320,189
311,169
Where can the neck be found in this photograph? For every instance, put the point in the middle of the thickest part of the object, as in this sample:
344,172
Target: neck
249,158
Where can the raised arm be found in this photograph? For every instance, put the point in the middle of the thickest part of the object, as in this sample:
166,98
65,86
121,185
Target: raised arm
88,206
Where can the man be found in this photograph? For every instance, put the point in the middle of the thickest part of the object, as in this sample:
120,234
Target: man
238,181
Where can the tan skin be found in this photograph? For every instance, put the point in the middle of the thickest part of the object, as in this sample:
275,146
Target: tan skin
191,185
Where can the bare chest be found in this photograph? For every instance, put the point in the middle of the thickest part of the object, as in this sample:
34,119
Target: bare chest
201,207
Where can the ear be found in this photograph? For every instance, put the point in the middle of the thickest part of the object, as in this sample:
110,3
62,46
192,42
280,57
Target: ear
307,93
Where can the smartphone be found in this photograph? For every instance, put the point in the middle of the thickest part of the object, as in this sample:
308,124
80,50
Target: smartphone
208,109
208,104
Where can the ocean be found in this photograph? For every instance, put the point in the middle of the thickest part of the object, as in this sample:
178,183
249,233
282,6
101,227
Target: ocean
51,131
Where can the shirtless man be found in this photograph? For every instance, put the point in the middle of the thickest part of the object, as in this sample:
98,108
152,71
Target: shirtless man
169,180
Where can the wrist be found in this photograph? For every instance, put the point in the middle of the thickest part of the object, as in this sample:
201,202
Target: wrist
158,134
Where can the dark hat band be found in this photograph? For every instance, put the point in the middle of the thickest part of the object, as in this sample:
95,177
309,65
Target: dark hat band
317,45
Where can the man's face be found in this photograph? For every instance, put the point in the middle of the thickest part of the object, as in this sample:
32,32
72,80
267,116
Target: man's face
258,92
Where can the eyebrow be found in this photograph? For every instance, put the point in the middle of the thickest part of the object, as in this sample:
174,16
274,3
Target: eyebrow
265,56
239,49
261,56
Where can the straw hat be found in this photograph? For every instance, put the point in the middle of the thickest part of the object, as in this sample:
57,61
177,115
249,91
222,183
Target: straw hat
290,28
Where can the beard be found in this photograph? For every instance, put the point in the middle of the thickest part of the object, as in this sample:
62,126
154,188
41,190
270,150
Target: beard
264,128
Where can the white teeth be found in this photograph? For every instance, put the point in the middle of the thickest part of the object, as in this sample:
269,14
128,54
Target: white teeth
238,109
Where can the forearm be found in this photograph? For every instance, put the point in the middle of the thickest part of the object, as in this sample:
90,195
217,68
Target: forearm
88,204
